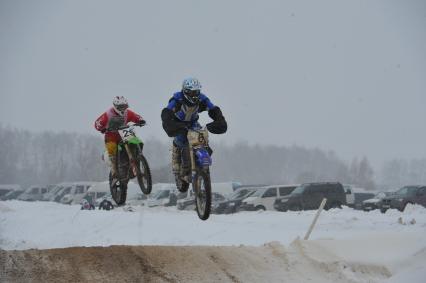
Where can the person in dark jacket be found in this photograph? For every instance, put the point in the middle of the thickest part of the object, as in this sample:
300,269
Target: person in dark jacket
181,114
106,205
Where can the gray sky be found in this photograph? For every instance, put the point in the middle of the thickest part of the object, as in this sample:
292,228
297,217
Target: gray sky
348,76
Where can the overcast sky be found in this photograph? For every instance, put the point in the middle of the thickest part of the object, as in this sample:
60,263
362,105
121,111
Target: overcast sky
348,76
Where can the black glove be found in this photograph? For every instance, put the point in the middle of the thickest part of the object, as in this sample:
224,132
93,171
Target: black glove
141,123
219,125
103,131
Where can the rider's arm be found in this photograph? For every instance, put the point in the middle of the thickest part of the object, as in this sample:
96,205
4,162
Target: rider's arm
101,122
219,125
171,125
133,117
174,101
205,104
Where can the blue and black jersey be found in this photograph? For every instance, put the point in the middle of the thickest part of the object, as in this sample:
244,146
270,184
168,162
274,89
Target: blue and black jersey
188,113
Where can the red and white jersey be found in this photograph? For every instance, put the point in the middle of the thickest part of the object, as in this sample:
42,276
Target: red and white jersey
102,122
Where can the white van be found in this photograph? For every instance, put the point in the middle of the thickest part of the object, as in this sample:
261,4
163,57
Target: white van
264,197
75,193
53,192
33,193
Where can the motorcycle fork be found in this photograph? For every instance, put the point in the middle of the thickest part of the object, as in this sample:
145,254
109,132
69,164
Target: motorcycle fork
132,159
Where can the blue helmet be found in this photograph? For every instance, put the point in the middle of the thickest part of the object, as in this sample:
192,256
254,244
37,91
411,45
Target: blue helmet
191,89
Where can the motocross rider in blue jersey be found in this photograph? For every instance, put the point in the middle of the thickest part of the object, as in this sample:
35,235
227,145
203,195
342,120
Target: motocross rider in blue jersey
180,115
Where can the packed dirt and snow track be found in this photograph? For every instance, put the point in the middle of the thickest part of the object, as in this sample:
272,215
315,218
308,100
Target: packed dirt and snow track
269,263
50,242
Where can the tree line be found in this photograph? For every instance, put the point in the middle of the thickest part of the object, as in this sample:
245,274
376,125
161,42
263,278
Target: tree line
29,158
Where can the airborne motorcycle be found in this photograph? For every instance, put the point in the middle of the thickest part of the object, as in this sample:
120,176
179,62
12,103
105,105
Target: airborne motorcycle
131,163
200,159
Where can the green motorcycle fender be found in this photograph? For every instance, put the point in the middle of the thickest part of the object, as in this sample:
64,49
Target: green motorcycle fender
134,140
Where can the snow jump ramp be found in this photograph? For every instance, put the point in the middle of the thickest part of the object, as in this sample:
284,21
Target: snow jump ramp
269,263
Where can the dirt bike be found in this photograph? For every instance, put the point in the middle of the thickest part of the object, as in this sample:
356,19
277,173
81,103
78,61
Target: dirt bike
131,163
200,160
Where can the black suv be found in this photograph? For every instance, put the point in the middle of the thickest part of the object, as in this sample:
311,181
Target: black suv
404,196
309,196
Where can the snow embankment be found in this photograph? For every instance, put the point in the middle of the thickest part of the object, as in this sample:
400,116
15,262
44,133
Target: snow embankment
346,245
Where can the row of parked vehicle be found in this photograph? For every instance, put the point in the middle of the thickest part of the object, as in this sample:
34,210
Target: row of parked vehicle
229,197
293,197
66,193
397,200
281,197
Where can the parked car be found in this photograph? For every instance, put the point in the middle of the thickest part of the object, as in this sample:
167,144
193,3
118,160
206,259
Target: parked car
309,196
164,197
101,190
359,198
188,203
164,194
66,189
12,194
375,202
264,198
404,196
75,193
96,192
355,195
5,189
50,189
54,192
231,204
33,193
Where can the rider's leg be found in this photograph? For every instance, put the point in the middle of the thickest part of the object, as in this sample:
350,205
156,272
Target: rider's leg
176,159
111,148
181,144
186,162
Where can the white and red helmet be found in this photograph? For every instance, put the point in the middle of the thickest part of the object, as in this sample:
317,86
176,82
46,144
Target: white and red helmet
120,105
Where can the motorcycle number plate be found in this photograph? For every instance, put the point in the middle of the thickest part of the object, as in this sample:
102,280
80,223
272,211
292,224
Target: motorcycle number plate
126,134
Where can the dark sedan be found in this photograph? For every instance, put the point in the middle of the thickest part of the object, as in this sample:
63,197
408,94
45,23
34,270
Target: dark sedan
189,202
404,196
375,202
231,205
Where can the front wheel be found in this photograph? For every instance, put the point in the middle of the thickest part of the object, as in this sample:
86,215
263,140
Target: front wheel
203,194
143,174
118,190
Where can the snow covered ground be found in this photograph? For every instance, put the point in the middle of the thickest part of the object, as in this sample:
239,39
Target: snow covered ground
395,240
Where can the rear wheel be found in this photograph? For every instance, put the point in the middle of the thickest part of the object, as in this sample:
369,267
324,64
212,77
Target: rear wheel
203,194
118,190
144,175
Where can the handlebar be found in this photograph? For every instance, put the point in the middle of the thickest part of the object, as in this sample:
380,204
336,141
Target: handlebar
124,127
